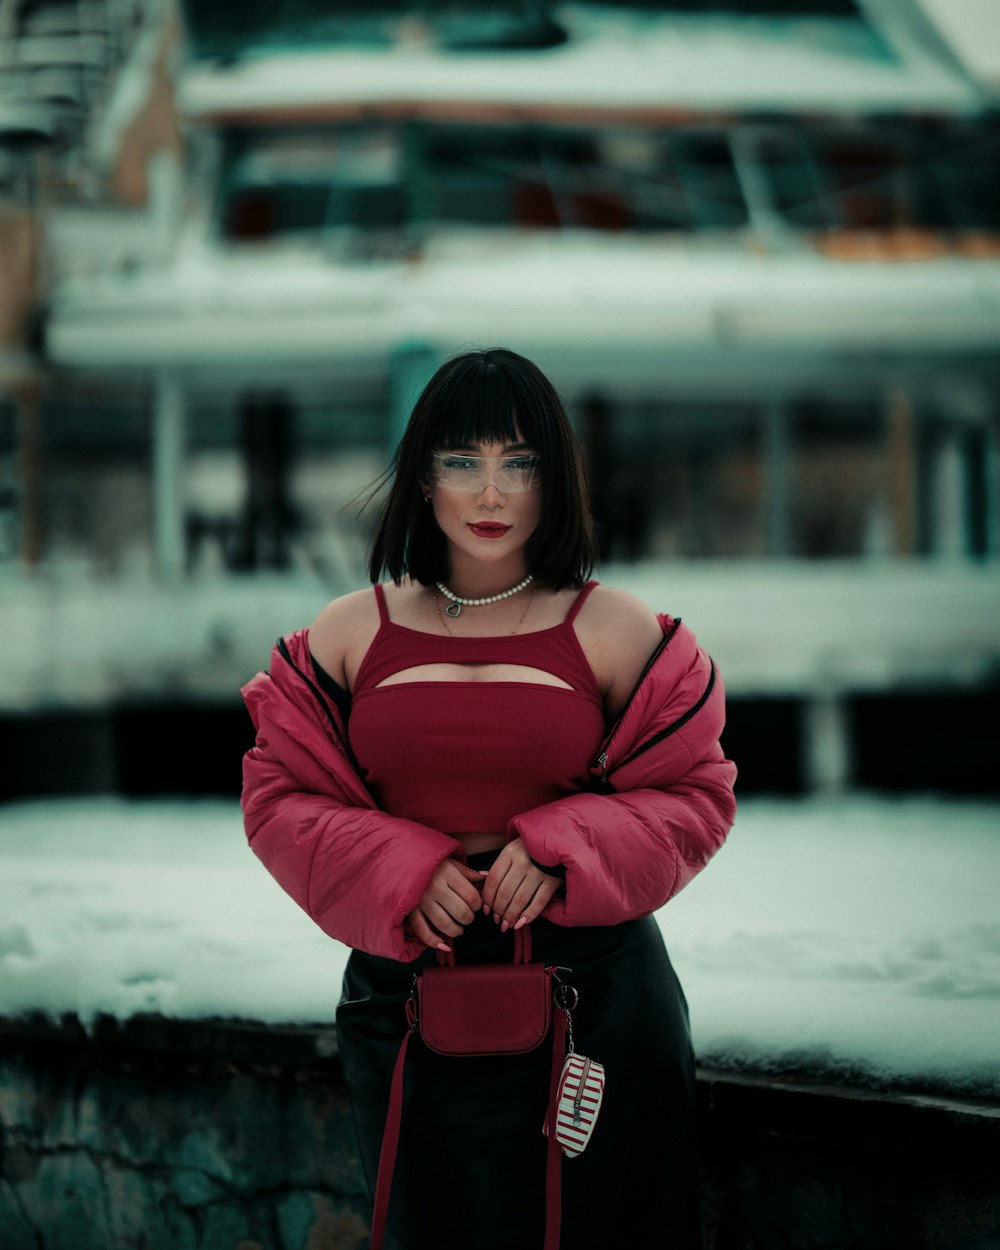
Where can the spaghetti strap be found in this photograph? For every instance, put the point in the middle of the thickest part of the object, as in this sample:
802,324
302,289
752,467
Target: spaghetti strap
383,611
578,602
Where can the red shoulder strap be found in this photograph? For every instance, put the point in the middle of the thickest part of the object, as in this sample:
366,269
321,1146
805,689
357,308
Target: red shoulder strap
553,1150
579,601
390,1145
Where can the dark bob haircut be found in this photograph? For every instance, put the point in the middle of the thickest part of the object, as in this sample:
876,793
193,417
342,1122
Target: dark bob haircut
492,396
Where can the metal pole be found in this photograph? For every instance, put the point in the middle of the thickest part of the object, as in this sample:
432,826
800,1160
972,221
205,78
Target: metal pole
27,397
991,469
411,364
900,470
827,743
777,459
169,438
950,538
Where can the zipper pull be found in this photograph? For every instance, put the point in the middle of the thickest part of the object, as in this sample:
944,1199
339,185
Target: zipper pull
581,1084
600,762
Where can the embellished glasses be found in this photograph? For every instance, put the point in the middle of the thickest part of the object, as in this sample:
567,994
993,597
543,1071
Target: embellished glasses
454,470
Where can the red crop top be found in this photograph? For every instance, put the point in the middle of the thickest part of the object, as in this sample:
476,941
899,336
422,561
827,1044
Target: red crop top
466,756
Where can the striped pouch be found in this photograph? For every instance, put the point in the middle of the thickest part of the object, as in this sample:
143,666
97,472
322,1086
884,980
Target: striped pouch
581,1090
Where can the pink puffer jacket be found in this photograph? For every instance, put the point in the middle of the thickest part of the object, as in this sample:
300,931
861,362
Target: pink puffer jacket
661,807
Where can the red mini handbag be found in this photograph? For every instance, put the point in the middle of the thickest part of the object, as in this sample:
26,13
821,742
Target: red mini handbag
484,1009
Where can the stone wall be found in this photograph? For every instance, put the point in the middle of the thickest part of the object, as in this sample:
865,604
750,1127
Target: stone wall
156,1134
791,1166
165,1135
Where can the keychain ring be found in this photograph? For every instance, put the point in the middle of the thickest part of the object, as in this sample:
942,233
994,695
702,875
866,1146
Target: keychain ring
562,996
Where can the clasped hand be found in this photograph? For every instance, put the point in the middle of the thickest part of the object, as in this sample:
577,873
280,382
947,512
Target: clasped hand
513,891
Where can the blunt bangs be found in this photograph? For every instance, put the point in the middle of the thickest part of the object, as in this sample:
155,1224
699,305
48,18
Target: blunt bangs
493,396
478,406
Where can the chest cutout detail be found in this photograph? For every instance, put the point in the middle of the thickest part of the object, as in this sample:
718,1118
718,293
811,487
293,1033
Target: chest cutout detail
475,673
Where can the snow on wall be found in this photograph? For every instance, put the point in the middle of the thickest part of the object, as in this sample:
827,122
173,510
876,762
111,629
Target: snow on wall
220,308
857,937
608,62
773,627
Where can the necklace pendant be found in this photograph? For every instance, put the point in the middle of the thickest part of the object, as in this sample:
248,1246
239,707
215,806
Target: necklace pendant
453,610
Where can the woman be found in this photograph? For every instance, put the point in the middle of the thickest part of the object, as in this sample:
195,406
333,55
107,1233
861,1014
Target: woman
488,741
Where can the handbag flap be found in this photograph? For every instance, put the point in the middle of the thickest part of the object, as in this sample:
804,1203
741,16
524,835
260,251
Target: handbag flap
485,1009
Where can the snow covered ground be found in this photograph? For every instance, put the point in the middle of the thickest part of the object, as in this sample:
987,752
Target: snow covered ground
857,938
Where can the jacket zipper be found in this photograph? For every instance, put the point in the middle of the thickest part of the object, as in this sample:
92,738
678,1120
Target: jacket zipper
672,728
345,746
602,759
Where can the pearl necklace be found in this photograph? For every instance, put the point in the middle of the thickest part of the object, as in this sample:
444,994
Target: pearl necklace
448,630
457,603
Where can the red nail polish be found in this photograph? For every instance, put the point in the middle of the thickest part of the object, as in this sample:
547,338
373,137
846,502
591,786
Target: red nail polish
519,923
504,927
486,910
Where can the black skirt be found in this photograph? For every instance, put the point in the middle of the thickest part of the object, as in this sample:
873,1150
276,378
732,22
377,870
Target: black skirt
471,1165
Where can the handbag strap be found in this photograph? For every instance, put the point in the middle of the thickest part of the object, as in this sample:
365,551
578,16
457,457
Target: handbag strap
390,1146
522,949
553,1151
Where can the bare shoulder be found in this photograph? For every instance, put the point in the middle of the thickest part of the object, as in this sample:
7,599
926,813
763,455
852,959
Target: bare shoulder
342,632
607,608
618,633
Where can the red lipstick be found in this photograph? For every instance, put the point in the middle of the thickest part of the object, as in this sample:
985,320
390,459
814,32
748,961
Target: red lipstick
488,529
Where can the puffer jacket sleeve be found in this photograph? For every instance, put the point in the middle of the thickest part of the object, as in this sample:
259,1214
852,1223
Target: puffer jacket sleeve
663,799
357,871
